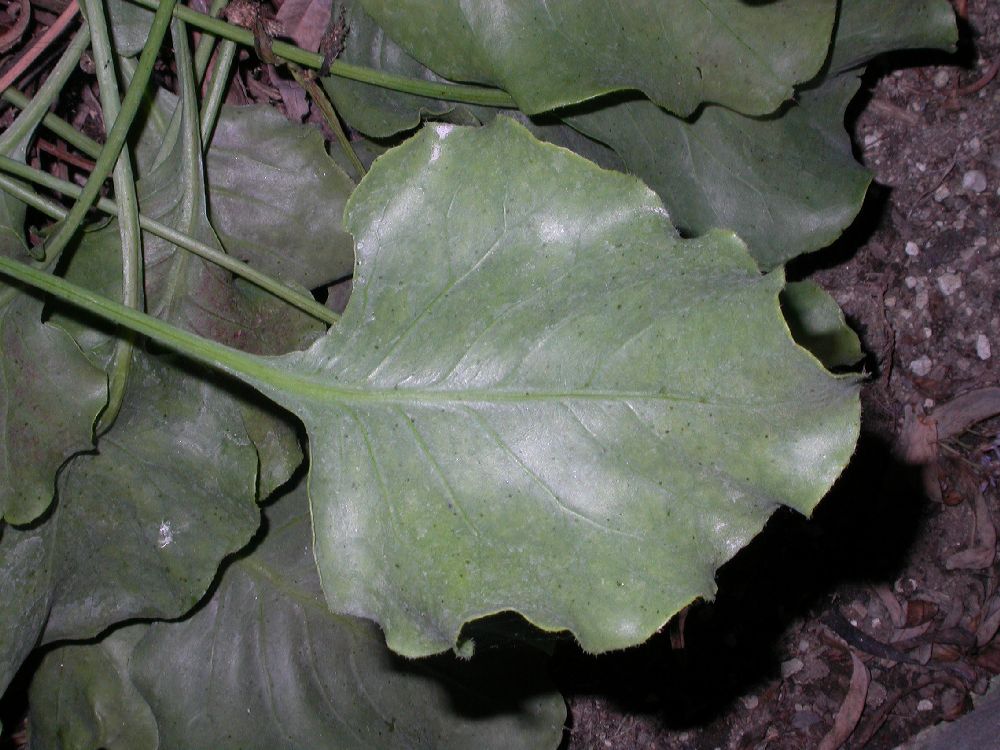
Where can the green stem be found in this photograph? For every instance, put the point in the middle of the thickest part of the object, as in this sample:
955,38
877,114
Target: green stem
316,93
212,103
128,212
244,366
300,301
203,53
453,92
118,133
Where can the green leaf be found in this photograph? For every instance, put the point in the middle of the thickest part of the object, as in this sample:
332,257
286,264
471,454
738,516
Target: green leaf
276,199
867,28
50,395
541,399
375,111
551,53
787,184
817,323
265,664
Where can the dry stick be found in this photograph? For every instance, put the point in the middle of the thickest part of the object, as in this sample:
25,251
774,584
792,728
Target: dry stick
64,155
39,46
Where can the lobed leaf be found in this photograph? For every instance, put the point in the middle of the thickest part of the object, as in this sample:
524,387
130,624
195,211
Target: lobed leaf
541,399
265,664
552,53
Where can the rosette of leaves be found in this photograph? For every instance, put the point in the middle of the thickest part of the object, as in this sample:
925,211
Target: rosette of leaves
541,399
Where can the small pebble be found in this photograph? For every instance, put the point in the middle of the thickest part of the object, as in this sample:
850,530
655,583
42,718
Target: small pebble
983,349
751,702
925,705
974,180
790,667
910,281
949,283
912,249
921,366
941,79
974,145
871,139
941,193
921,299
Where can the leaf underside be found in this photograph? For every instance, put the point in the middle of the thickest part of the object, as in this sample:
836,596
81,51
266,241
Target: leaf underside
541,399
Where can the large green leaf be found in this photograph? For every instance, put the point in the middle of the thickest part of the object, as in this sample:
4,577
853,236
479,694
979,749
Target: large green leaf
787,184
541,399
551,53
265,664
276,198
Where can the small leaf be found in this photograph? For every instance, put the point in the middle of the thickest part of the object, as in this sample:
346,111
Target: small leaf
264,664
817,323
552,53
541,399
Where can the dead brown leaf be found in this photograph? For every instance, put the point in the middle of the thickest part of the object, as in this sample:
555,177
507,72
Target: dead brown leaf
851,709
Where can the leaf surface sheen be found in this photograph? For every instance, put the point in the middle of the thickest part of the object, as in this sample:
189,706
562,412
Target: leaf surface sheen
541,399
552,53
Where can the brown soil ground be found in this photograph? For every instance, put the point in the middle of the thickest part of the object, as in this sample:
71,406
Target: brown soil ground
894,578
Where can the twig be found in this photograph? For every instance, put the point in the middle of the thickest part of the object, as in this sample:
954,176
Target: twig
64,155
984,79
39,46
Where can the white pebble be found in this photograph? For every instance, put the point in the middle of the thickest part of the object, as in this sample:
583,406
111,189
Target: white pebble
790,667
941,193
912,249
921,366
974,180
910,281
751,702
949,283
941,79
925,705
983,349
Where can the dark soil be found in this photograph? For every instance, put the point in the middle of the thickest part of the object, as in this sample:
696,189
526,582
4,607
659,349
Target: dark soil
766,665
